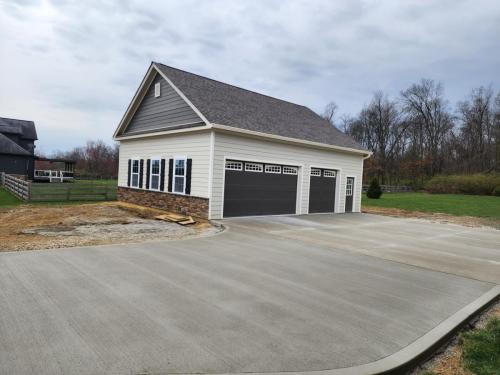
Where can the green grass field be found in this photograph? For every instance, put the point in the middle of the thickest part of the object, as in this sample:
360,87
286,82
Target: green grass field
453,204
7,199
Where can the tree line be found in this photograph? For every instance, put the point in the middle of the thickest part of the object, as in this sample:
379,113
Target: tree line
418,135
95,159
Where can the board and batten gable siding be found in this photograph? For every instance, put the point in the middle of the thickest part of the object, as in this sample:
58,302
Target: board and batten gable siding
168,110
246,148
193,145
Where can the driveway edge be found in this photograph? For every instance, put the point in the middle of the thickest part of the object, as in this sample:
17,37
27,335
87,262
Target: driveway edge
410,356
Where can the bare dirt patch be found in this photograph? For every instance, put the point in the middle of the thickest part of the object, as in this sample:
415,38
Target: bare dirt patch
29,227
468,221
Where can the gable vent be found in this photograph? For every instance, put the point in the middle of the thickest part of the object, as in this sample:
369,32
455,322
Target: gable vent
157,89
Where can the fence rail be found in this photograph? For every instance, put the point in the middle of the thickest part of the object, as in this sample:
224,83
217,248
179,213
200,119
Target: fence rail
392,188
72,192
17,186
52,192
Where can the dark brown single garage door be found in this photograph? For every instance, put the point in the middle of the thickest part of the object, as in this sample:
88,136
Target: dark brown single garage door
322,190
259,189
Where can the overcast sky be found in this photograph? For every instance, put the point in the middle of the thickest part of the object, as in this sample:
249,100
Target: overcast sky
73,66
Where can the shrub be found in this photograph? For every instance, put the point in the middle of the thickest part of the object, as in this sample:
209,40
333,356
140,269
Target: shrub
481,353
374,190
477,184
496,191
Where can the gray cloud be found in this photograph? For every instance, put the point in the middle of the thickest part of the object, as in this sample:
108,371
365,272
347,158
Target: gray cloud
73,66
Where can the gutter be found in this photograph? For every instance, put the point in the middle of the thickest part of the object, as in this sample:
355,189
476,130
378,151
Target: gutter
230,129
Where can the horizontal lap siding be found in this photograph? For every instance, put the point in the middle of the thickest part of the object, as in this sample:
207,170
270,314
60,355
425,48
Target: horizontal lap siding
168,110
249,148
195,146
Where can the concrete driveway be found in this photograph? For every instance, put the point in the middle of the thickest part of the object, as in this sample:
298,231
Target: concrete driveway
267,295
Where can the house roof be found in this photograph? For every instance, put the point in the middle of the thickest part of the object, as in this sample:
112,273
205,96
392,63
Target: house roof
8,146
26,129
233,106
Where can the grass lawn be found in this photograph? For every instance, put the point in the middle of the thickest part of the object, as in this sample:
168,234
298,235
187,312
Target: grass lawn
7,199
453,204
482,349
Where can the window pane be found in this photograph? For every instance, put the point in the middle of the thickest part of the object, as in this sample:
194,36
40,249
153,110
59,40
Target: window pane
179,167
179,185
135,166
135,180
155,182
155,167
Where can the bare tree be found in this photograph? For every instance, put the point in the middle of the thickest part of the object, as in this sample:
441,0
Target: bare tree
477,130
380,128
431,122
330,112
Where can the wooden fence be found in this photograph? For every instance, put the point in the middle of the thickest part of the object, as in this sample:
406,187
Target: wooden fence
53,192
17,186
81,191
392,188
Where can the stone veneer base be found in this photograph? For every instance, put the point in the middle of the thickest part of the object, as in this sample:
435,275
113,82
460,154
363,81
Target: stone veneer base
184,204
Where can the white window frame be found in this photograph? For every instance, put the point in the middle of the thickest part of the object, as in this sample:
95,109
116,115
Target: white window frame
347,185
258,167
272,168
290,170
151,174
184,158
328,173
132,173
232,165
157,89
316,172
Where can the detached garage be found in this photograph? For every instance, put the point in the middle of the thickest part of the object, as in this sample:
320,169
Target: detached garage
232,152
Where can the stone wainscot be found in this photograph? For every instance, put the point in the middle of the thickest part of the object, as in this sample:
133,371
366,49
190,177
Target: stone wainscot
183,204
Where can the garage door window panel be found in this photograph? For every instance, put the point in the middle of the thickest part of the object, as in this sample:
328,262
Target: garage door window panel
253,167
273,168
234,165
290,170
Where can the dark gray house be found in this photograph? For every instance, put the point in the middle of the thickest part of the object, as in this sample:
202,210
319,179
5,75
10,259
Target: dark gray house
17,146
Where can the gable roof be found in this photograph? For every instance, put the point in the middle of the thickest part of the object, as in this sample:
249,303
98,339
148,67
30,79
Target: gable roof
8,146
26,129
229,105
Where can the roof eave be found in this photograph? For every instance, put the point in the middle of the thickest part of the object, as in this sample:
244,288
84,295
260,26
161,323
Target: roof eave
279,138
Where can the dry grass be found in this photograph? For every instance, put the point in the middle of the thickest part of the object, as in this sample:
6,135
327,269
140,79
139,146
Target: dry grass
468,221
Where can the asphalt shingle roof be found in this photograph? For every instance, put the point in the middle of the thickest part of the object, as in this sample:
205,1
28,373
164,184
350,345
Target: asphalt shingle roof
229,105
26,129
8,146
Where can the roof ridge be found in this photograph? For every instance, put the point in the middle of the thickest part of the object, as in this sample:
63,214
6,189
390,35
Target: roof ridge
228,84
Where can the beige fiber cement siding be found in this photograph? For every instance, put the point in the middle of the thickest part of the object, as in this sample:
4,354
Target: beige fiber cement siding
246,148
167,111
193,145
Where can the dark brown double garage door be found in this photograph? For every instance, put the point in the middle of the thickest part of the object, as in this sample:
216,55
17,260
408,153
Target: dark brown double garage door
259,189
252,188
